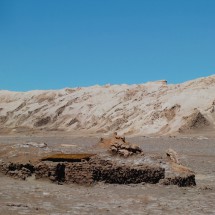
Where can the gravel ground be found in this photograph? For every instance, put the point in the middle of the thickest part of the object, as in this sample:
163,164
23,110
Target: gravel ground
42,197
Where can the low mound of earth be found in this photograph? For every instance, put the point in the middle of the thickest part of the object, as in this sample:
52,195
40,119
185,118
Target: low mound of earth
126,164
154,108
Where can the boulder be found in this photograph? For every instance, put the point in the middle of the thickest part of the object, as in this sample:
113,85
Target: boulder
172,156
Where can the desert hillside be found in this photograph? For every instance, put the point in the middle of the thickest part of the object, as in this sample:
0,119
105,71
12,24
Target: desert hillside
152,108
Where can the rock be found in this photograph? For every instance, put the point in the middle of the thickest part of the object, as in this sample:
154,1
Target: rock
17,170
175,173
114,139
135,149
52,178
124,152
43,170
180,175
125,149
38,145
32,144
172,155
185,181
113,149
26,171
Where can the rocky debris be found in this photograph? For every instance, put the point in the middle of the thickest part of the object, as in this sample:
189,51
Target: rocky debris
125,149
176,174
17,170
185,181
196,120
172,156
117,145
34,144
107,142
19,205
42,170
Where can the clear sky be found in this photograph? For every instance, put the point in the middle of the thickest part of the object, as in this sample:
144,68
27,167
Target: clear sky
52,44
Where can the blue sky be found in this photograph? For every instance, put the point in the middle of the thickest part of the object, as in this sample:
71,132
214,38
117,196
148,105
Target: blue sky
52,44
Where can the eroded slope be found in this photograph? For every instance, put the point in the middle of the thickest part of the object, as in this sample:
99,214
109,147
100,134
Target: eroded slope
151,108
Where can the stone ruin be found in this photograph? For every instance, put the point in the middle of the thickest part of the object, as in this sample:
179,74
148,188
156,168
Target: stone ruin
97,169
125,163
17,170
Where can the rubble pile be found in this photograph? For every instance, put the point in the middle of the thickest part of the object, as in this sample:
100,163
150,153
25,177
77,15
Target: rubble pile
17,170
125,150
119,146
177,174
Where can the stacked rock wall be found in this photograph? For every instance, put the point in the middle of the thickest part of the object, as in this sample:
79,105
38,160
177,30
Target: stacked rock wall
17,170
99,170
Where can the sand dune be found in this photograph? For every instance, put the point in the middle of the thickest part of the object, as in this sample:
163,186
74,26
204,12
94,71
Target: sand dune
154,108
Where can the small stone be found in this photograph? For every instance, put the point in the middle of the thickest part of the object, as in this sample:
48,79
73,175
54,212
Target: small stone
124,152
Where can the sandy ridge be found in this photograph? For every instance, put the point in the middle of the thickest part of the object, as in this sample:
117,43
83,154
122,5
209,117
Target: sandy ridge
151,108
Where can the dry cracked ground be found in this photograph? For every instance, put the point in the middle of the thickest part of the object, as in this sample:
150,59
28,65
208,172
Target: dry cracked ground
43,197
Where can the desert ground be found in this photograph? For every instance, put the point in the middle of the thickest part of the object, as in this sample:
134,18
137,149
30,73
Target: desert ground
33,196
156,116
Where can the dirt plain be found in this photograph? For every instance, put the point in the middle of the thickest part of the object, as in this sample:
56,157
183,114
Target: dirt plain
43,197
